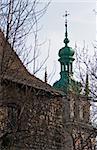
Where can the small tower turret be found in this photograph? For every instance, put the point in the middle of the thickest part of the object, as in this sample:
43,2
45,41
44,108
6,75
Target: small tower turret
66,61
45,76
87,85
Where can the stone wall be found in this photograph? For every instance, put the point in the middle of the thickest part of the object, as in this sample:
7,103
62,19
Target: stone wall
32,118
35,119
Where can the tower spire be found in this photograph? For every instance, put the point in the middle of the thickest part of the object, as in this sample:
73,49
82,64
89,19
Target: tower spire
45,77
66,62
66,40
87,85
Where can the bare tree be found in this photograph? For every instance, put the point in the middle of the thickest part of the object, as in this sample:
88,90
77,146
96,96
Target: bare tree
19,21
86,73
86,63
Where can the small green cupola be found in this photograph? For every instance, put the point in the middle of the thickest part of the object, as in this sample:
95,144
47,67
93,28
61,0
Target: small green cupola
66,59
66,55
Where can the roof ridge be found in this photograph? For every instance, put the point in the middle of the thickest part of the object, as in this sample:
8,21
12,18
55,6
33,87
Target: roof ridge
18,72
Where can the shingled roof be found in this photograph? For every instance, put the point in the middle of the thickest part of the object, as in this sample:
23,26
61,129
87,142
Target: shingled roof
16,71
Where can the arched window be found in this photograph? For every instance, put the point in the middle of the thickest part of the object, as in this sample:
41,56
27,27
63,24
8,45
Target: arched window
62,67
13,115
3,117
72,103
81,112
9,115
66,67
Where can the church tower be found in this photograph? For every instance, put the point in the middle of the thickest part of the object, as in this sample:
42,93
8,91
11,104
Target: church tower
66,53
76,105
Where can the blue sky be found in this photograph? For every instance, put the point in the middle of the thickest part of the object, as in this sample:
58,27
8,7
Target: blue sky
81,26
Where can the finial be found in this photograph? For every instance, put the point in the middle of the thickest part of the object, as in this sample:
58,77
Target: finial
66,41
75,45
45,77
87,85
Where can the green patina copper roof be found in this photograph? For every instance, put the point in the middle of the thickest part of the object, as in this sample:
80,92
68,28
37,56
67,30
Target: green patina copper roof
66,52
66,81
68,85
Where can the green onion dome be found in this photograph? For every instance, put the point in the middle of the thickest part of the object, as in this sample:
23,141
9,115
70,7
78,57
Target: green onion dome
66,52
